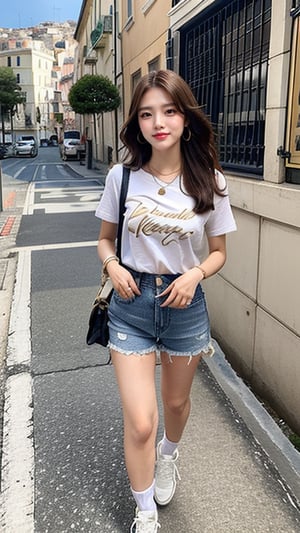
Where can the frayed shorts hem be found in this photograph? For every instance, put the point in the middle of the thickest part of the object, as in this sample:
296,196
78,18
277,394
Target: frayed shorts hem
112,346
207,351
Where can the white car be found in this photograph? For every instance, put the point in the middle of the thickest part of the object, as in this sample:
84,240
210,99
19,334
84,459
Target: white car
26,147
72,148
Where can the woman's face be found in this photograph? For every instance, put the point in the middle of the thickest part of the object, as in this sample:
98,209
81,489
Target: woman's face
159,119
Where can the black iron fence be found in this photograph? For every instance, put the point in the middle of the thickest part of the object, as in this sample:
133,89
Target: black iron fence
224,57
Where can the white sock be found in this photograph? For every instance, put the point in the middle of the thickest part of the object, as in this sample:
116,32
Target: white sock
144,499
168,447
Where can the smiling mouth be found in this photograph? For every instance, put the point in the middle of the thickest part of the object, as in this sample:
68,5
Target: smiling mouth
160,135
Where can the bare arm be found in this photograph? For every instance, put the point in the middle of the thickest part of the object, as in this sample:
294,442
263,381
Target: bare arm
122,280
107,238
217,256
182,290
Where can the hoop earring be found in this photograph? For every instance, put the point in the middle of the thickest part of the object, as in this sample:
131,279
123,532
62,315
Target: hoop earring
139,139
189,135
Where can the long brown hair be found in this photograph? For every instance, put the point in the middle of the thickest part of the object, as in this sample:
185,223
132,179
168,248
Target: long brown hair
199,156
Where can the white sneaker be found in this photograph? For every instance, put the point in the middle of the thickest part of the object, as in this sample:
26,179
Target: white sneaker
165,476
145,522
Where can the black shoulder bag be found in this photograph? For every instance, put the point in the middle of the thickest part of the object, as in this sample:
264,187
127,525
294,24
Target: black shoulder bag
98,328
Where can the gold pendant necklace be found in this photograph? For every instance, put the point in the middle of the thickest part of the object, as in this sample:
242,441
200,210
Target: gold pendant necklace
162,188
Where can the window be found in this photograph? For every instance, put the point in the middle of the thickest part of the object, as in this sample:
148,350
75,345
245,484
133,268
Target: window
154,64
224,58
18,61
9,61
293,126
129,8
18,78
135,78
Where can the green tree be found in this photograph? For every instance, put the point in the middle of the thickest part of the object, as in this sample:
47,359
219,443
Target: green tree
10,95
94,94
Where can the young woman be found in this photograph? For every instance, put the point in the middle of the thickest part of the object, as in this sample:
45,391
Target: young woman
177,199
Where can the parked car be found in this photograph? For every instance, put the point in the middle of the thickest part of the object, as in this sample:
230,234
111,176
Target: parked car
9,150
72,148
26,145
53,141
44,142
2,151
6,150
72,134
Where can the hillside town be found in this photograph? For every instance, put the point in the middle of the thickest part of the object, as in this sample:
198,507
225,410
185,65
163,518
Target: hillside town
42,58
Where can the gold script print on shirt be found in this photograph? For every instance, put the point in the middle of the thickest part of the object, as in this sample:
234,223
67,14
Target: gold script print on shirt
148,221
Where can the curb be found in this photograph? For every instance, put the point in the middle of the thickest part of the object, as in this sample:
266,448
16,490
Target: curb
276,445
100,176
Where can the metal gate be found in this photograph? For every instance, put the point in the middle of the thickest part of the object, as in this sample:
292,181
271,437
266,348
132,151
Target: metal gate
224,58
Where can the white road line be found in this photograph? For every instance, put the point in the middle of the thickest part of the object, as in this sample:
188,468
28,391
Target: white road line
69,190
17,483
17,469
88,199
29,200
76,207
19,172
43,173
19,345
56,246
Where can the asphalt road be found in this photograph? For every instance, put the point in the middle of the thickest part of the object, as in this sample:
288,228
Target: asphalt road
74,462
63,467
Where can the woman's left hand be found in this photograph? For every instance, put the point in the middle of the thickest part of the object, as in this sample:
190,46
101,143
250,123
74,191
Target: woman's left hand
180,292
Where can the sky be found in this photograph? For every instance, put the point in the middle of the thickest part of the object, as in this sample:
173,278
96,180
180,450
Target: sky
24,13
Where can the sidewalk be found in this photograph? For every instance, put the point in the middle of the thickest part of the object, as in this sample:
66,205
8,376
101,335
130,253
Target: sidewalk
80,169
10,219
276,445
240,474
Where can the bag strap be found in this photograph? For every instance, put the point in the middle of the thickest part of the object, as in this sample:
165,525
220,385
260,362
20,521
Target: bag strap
123,194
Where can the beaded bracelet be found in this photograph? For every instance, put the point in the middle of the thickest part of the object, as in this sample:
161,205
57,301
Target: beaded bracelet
108,260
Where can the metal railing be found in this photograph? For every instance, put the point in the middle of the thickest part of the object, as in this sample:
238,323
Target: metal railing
224,58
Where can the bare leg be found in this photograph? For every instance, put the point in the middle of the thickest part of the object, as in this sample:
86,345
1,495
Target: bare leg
176,383
136,380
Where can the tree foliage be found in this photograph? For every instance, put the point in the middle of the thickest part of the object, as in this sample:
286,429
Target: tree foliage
10,91
93,94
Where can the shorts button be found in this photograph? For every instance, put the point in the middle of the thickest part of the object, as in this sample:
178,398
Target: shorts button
158,281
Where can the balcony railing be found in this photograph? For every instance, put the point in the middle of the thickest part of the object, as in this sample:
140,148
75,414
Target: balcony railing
98,35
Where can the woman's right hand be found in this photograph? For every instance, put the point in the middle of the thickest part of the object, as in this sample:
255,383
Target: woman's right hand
122,280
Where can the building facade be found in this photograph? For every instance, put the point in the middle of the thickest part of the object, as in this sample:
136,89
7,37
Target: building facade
240,58
145,26
32,64
99,52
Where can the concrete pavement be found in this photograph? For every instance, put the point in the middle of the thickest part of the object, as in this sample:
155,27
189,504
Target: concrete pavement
239,472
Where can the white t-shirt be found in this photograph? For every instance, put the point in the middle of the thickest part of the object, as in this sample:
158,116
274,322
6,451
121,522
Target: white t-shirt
161,233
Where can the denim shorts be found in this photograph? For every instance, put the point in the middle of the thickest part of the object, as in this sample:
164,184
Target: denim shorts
139,325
